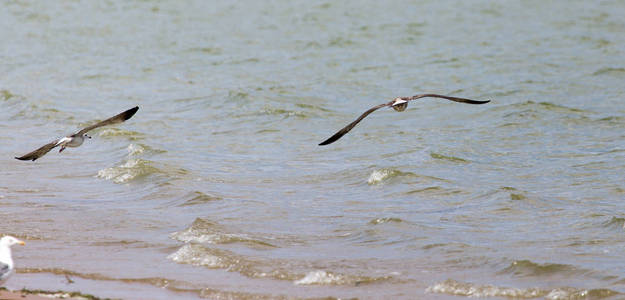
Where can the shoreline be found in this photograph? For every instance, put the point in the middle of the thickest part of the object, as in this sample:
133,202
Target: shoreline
26,294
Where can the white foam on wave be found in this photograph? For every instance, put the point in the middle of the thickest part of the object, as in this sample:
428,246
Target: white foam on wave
452,287
202,231
195,236
464,289
125,172
319,277
206,232
135,149
211,238
188,255
378,176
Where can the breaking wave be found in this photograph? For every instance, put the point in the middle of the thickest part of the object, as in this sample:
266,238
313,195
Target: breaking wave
453,287
256,267
379,176
136,149
319,277
203,231
135,169
130,170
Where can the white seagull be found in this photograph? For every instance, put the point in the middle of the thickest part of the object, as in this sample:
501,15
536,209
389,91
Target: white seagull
77,138
6,261
398,104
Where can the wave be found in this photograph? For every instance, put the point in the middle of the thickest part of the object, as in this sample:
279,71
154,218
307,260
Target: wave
282,112
112,131
136,168
6,95
254,267
610,71
448,158
453,287
198,255
378,176
130,170
384,175
615,222
21,107
379,221
538,110
529,268
136,149
204,231
320,277
197,197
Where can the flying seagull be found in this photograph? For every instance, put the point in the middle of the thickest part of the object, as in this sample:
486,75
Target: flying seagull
6,261
77,138
398,104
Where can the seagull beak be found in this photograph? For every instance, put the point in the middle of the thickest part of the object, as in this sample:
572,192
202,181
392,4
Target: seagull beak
21,243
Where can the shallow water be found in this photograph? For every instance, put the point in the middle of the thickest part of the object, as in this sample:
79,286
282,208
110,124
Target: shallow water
216,188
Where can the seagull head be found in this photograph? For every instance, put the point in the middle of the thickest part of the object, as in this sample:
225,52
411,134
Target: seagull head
9,241
399,104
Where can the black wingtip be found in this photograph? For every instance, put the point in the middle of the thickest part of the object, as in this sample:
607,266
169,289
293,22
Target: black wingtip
478,101
331,140
22,158
131,112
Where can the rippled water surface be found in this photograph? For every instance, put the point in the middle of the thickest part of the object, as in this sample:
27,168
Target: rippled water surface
216,188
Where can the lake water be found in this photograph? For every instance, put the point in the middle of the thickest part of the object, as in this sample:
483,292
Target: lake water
217,188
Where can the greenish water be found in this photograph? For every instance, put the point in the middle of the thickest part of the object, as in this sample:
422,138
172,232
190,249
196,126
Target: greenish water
216,188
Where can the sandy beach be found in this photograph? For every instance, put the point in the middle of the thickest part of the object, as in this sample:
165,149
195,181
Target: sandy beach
11,295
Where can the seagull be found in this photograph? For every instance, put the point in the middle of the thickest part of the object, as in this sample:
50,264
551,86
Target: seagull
77,138
6,261
398,104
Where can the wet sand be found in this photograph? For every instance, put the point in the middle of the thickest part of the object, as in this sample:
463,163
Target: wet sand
7,295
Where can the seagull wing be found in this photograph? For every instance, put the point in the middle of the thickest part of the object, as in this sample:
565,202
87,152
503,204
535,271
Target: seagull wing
39,152
3,268
351,125
113,120
5,271
463,100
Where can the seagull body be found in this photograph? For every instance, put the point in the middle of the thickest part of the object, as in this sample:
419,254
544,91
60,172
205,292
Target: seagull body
77,138
398,104
71,141
6,261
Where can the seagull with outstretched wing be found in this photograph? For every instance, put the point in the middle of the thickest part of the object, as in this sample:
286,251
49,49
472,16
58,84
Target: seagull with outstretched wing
398,104
77,138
